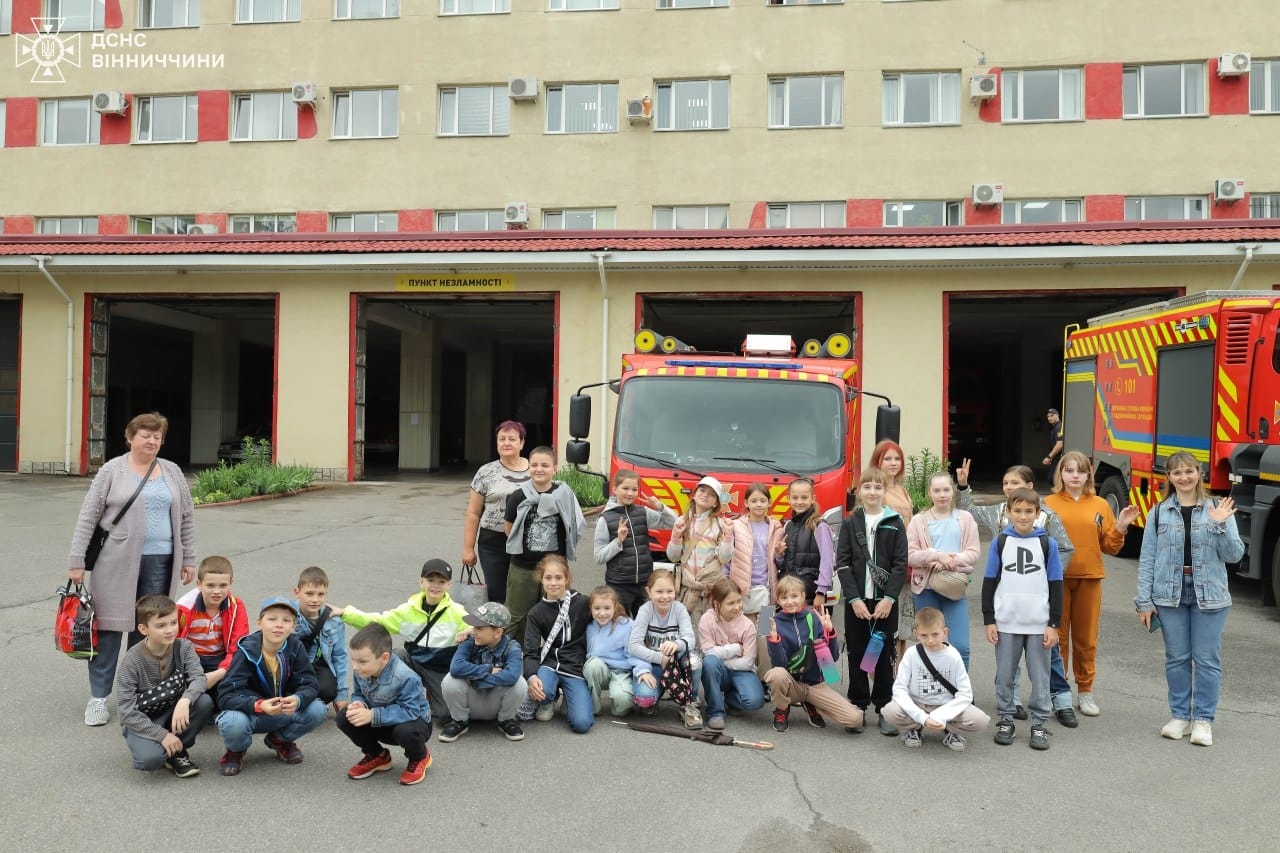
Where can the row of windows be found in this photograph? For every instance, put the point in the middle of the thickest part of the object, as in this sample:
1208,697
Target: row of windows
906,214
801,101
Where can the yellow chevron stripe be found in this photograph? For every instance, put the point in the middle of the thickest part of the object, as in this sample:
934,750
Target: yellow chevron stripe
1148,350
1227,385
1167,449
1222,433
1228,414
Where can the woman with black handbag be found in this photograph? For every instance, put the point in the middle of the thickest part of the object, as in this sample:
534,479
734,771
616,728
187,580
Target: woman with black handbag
139,509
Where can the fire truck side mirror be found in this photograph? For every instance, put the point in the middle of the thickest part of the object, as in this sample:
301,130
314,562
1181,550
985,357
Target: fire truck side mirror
579,416
577,452
888,422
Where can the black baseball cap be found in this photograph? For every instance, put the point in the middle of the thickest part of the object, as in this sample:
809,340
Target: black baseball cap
1051,411
437,567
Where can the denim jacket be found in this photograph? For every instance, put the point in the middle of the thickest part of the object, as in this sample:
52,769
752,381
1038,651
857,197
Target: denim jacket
330,646
1213,545
394,697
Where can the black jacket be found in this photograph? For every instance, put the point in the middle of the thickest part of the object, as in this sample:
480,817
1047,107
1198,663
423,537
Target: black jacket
633,564
569,653
890,551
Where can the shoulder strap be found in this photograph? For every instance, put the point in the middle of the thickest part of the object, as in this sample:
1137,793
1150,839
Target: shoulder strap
136,492
1044,546
933,670
318,625
1000,540
431,622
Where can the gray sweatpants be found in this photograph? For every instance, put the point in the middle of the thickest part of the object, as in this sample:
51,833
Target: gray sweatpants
1009,651
467,703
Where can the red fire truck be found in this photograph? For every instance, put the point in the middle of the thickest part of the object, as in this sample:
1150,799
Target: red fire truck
765,416
1199,373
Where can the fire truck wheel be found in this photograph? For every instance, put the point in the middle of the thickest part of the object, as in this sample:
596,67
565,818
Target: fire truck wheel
1275,575
1117,496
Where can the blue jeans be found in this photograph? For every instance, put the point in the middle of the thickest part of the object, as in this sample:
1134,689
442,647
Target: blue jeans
577,698
647,697
155,575
740,688
237,728
1192,656
956,613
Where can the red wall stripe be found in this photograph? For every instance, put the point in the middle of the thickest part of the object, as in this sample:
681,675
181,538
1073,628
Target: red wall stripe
984,214
416,220
113,223
1104,208
20,122
1228,96
989,110
306,123
117,130
1103,90
113,17
759,215
214,109
864,212
1230,209
23,12
312,222
19,225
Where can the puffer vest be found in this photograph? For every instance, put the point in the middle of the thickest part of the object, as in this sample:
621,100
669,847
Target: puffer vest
633,564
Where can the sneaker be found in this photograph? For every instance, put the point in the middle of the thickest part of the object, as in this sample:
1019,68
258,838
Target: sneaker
182,766
716,723
545,712
911,738
453,730
887,728
230,763
285,750
815,718
370,764
953,741
1088,707
510,730
1202,733
1176,729
1039,737
647,710
1020,712
781,719
414,773
1004,732
691,716
96,713
526,710
1067,717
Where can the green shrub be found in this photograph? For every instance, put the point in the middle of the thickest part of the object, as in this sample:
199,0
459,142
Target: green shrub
254,476
588,488
920,467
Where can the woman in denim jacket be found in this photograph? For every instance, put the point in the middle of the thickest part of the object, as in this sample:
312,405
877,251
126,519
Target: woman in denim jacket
1182,576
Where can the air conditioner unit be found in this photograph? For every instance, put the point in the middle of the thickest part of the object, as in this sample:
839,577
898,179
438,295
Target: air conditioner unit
516,213
639,110
1234,64
305,93
1228,189
522,88
111,103
988,193
983,87
201,228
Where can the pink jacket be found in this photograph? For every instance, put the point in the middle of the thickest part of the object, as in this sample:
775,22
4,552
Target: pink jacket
743,542
920,550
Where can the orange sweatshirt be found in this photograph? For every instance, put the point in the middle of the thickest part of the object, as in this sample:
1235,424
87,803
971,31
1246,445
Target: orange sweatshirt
1091,537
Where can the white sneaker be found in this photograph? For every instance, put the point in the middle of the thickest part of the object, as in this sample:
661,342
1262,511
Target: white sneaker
1088,707
1202,733
96,713
1176,729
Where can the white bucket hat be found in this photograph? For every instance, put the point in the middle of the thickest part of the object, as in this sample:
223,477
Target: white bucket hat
714,485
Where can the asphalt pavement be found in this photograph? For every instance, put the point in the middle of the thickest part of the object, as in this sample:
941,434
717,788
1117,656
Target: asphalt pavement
1111,784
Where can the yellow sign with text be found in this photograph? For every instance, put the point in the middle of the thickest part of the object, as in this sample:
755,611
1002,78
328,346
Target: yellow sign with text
454,283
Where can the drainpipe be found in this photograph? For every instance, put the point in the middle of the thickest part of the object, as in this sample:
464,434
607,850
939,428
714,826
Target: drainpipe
604,352
71,340
1244,265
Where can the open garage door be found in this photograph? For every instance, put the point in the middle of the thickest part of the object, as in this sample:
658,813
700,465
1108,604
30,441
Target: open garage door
1004,370
440,373
205,363
10,314
718,322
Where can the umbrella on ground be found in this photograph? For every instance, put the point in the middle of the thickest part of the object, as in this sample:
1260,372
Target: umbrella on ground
714,738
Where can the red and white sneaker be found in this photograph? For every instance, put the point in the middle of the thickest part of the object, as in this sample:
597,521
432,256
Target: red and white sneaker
370,764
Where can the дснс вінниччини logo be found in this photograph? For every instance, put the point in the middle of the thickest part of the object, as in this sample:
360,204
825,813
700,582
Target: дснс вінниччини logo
47,50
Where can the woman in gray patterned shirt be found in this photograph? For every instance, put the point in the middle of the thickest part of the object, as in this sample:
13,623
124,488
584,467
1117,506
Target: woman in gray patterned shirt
483,531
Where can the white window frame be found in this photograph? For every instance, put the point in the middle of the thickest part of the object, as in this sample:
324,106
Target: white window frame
384,222
342,10
944,87
92,22
1013,95
1069,209
67,225
831,103
953,213
268,11
146,107
605,107
190,18
178,223
602,218
693,4
349,99
673,213
1135,77
1264,87
667,93
1264,205
583,5
1138,204
250,223
496,7
451,98
50,120
780,214
452,220
804,2
281,103
6,22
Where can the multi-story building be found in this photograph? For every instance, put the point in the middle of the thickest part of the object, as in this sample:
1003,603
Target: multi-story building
264,216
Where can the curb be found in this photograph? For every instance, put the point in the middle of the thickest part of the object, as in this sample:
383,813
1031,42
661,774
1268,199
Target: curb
270,497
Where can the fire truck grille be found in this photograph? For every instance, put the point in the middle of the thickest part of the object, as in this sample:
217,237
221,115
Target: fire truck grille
1235,342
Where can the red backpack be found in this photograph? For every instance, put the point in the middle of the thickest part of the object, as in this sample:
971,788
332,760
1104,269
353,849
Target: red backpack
75,627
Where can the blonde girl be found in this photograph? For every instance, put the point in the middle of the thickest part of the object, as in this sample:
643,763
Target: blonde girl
1094,531
702,543
757,541
609,667
662,636
807,550
943,538
889,458
728,641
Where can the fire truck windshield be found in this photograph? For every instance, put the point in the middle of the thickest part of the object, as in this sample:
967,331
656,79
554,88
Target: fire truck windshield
724,424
